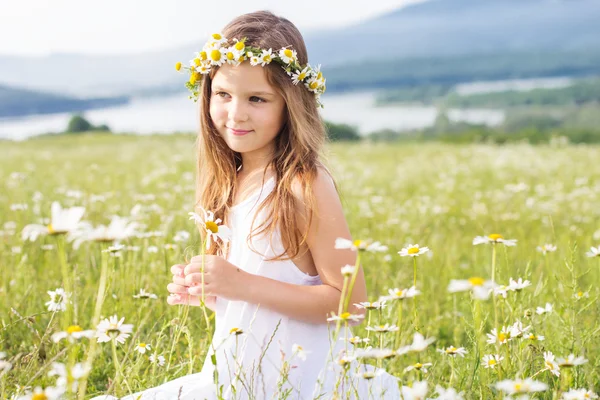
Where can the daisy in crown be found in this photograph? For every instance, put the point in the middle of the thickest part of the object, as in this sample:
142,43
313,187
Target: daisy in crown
218,51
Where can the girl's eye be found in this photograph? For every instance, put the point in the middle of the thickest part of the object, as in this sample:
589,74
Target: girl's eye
257,99
221,94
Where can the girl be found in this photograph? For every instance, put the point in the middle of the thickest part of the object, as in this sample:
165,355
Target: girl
274,284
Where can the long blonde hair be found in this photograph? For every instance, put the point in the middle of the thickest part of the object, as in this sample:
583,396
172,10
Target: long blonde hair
298,146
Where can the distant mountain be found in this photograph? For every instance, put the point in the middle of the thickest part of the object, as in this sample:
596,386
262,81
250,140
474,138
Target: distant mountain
15,102
436,28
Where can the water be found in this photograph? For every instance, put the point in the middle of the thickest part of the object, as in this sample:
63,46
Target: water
177,113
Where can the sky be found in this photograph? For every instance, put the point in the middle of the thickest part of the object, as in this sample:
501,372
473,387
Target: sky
42,27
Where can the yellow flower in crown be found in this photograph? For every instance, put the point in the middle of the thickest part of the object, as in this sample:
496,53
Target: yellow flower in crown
217,51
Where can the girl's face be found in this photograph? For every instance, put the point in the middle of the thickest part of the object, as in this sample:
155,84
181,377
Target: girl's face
246,110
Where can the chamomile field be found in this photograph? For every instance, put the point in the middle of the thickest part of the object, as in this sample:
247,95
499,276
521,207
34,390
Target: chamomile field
484,283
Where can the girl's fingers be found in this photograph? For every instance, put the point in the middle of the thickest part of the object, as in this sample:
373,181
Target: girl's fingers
197,291
174,288
177,269
179,280
191,279
179,299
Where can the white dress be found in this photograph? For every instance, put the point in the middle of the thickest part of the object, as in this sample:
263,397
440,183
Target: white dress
253,360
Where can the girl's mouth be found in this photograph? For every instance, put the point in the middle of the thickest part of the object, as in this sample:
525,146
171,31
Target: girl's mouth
238,132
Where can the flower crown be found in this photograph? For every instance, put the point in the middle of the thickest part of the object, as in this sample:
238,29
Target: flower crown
216,52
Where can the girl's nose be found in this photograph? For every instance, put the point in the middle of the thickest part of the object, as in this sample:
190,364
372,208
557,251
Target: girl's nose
238,111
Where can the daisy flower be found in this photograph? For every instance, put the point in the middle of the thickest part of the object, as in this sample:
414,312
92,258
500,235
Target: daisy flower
158,360
550,364
300,76
58,300
520,386
579,394
211,226
580,295
236,331
448,394
73,333
401,294
346,316
288,56
145,295
491,360
503,337
348,270
266,57
382,328
453,351
534,337
519,285
299,351
546,248
49,393
254,60
63,221
113,329
217,56
517,330
216,40
375,305
494,238
418,391
480,288
571,361
544,310
359,245
413,250
501,290
142,348
418,367
419,344
594,252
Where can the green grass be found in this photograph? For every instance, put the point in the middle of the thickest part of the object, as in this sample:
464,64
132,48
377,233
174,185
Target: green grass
436,195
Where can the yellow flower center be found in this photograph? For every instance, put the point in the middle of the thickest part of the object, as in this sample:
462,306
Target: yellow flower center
451,350
300,348
211,226
495,236
39,396
73,328
288,53
267,58
314,85
236,331
50,229
579,294
194,77
319,75
216,36
476,281
412,250
358,241
178,66
215,55
492,361
418,366
203,55
239,46
197,62
230,55
399,293
345,315
142,345
502,337
518,387
302,76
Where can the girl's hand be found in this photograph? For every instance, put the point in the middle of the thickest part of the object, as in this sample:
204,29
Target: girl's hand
221,278
179,291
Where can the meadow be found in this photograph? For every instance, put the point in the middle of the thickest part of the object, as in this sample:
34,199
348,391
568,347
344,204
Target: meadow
543,301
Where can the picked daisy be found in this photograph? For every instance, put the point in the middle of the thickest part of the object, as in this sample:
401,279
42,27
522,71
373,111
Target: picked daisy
594,252
413,250
266,57
550,364
453,351
73,333
145,295
494,238
546,248
480,288
58,300
142,348
288,56
63,221
113,329
520,386
236,331
491,360
211,226
301,75
571,361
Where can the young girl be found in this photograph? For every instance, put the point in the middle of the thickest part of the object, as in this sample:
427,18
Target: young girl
278,279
